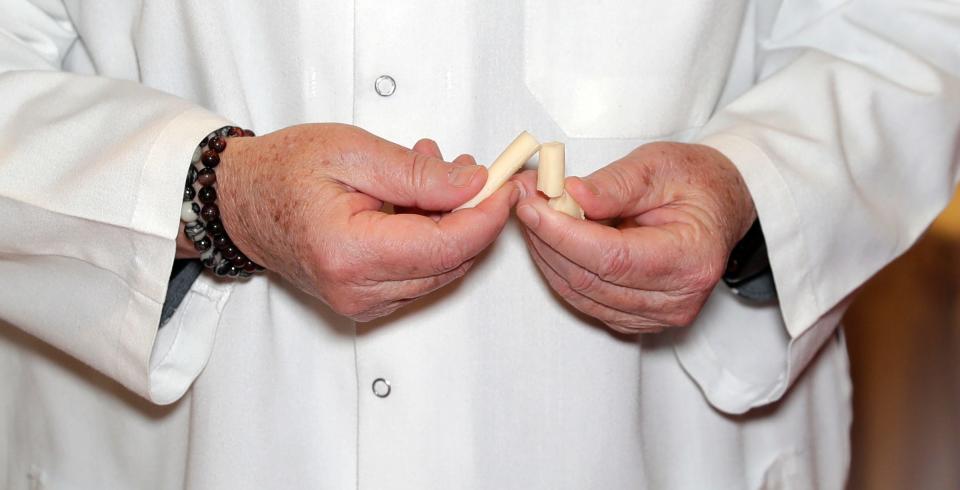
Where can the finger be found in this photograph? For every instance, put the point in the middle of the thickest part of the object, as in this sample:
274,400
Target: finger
465,160
527,180
616,320
641,257
626,187
392,173
462,160
376,299
406,289
406,245
381,311
589,284
428,147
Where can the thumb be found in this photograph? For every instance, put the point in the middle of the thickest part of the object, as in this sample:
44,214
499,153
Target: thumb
392,173
623,188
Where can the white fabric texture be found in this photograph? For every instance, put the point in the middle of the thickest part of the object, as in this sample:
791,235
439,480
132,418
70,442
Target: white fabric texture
830,142
91,228
824,107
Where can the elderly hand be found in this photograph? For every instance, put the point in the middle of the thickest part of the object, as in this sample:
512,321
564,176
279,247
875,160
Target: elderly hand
678,210
306,202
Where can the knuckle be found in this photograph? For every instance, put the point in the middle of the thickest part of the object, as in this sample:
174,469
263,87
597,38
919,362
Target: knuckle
418,172
620,181
560,286
619,327
685,310
583,282
634,325
647,321
460,271
706,277
347,306
447,256
615,264
683,318
372,314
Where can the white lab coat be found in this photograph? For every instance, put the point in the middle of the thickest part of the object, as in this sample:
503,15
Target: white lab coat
842,116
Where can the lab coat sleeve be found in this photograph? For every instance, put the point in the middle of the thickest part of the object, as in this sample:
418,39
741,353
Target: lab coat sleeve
91,181
848,143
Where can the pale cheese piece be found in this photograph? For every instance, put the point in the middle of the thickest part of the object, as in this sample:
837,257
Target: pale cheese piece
551,175
507,164
550,170
566,204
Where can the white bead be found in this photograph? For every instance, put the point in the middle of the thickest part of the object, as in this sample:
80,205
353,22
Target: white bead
196,155
186,213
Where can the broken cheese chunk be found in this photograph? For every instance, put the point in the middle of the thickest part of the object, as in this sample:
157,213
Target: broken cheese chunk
550,180
507,164
566,204
550,170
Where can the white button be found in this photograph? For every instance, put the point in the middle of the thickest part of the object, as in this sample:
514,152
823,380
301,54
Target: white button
381,387
385,85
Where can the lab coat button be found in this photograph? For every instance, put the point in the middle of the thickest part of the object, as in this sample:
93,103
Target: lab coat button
381,387
385,85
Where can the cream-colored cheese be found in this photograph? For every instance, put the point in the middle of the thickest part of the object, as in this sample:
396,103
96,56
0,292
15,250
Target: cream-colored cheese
507,164
550,170
566,204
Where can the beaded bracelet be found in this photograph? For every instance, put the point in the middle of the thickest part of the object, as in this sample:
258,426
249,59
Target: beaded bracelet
200,214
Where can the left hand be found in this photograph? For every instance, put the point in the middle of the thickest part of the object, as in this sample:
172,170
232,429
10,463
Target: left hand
678,211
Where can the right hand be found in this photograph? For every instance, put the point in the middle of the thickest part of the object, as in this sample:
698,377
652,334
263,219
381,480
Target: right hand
305,202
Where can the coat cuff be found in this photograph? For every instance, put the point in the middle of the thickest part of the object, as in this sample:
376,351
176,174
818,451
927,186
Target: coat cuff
739,370
783,230
174,357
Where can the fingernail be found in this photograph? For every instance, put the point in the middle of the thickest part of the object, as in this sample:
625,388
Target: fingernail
518,193
529,216
461,176
590,187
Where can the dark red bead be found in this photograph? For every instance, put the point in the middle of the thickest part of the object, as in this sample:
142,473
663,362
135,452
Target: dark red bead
206,176
247,132
240,260
229,252
215,228
250,266
203,244
234,132
210,159
217,144
221,241
210,212
207,195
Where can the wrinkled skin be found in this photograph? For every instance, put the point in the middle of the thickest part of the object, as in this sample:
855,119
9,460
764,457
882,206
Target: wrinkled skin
306,202
676,210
